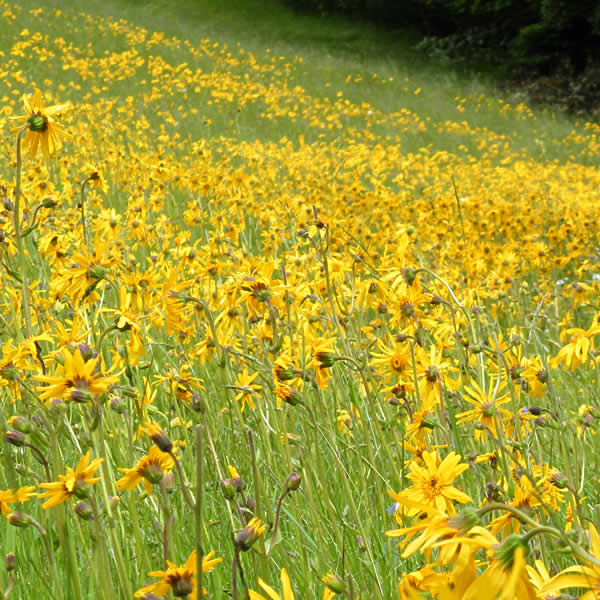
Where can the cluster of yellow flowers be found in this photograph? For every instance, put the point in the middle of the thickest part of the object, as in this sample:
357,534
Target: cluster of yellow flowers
432,312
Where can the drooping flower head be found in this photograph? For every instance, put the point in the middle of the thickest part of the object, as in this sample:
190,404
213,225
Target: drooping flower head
43,131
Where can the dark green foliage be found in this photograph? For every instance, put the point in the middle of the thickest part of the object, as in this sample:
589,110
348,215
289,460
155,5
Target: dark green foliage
534,36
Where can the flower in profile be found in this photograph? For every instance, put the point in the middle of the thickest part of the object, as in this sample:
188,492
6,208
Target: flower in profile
9,497
151,468
286,588
73,483
323,358
253,530
181,580
94,176
158,436
333,585
506,576
42,131
126,320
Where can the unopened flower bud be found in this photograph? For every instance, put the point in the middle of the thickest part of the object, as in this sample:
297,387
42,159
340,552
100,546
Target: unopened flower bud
49,202
465,520
129,391
168,481
10,562
360,544
228,488
81,396
16,438
293,482
325,360
84,511
161,439
19,519
118,405
86,352
21,424
81,489
198,404
409,275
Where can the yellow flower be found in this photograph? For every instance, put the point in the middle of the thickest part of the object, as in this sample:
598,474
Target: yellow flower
577,350
9,497
253,530
77,380
486,408
431,484
74,483
182,580
394,362
150,468
245,388
286,587
323,358
43,130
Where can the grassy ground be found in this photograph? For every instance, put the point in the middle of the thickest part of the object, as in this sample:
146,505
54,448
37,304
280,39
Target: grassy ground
300,249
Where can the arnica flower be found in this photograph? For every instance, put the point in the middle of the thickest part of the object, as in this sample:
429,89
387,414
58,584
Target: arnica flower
431,484
323,358
43,131
246,538
286,588
158,436
151,469
78,379
9,497
181,580
74,483
246,387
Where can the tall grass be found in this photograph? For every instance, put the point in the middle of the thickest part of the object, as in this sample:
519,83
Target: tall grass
302,251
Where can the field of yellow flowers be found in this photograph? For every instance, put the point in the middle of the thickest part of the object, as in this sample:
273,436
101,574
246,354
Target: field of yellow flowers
270,336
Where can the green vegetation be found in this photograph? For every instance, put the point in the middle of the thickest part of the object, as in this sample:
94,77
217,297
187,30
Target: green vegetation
274,280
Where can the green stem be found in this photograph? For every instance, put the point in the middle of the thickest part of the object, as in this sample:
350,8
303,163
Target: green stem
85,216
198,510
19,237
186,493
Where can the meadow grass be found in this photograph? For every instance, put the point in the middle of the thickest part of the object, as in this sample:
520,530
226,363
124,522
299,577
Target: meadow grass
274,266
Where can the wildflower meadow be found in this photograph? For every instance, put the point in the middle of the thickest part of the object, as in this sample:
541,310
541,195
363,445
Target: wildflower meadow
278,327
